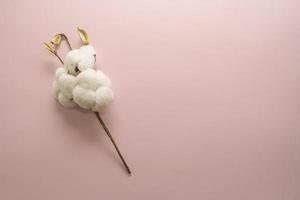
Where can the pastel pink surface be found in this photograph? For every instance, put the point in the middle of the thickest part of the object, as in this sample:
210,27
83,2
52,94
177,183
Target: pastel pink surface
207,101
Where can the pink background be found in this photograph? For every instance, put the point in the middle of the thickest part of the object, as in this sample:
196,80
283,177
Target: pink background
207,101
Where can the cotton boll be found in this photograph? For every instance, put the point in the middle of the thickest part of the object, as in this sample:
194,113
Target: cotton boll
86,61
71,57
71,61
59,71
88,49
66,83
89,79
55,89
88,57
104,80
67,103
78,83
104,96
78,60
83,97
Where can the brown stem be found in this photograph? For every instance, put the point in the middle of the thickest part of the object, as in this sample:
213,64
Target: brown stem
66,38
69,44
113,141
59,58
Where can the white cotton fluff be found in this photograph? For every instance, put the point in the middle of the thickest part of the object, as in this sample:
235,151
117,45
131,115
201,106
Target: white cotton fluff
66,84
77,83
63,87
78,60
68,103
91,79
104,96
92,90
84,98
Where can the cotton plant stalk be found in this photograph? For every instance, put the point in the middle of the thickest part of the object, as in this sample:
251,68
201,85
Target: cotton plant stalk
78,84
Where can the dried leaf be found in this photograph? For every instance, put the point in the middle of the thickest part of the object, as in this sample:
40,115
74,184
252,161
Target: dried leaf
49,47
56,40
83,36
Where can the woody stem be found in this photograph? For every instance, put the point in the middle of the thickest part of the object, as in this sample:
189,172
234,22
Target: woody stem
113,141
59,58
66,38
68,42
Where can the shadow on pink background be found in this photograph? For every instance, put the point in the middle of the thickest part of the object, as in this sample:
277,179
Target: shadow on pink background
207,101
